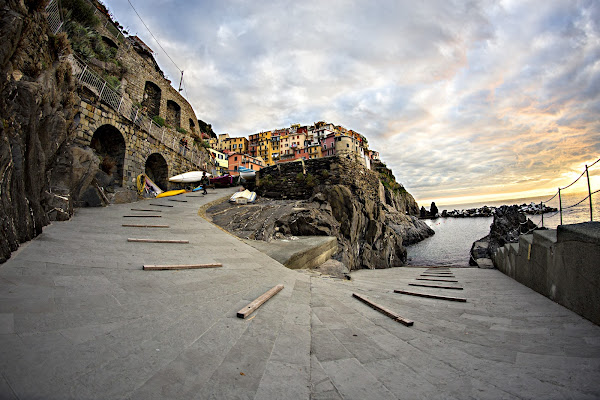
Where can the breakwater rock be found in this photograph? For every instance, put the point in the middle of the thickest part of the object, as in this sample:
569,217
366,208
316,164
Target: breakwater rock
486,211
331,196
509,222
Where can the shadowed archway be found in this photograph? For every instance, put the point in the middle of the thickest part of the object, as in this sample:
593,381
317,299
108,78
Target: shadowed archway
157,170
109,145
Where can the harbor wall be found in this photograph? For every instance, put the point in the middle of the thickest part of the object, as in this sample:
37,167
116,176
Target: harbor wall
563,264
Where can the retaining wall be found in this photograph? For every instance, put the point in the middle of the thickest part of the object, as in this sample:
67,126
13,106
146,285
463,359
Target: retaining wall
562,264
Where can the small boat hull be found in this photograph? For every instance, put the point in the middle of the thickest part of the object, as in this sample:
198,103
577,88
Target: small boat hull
188,177
247,173
170,193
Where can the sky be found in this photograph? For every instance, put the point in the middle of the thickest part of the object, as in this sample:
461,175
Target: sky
464,100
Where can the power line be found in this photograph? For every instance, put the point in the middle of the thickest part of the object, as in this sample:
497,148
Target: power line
129,1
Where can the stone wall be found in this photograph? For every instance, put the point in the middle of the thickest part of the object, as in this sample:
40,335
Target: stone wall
139,143
141,68
303,178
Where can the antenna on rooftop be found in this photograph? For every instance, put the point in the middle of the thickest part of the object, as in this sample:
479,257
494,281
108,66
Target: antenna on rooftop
181,81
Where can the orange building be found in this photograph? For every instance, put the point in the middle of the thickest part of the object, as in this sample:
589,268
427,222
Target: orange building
238,159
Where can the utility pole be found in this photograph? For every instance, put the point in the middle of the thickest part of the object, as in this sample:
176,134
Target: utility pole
181,81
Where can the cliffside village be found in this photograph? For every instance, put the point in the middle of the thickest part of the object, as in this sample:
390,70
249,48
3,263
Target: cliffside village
297,142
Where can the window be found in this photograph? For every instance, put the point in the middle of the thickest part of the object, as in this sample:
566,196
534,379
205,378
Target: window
235,159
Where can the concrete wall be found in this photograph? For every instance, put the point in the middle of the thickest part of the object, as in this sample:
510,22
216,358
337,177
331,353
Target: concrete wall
562,264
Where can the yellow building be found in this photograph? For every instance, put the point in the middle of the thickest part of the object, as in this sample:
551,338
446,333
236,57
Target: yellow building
236,145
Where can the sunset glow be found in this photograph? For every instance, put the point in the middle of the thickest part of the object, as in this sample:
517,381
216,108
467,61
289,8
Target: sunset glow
463,100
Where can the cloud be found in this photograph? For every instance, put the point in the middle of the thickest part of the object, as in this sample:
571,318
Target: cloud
458,97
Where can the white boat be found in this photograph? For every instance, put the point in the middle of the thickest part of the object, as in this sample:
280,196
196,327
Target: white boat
188,177
247,173
243,197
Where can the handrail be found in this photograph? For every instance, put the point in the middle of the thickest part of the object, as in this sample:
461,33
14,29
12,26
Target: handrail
560,189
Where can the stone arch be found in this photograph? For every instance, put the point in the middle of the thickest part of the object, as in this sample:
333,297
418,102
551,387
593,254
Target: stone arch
173,114
192,127
151,100
157,170
109,145
109,42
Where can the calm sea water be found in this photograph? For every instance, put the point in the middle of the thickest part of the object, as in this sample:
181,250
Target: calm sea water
454,236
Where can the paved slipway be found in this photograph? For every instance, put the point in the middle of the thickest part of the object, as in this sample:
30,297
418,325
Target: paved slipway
80,319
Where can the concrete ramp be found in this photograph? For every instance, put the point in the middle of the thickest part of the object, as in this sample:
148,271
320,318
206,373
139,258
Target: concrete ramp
305,252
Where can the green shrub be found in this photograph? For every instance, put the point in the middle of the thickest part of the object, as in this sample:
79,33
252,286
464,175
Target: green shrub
183,131
299,177
160,121
311,181
80,11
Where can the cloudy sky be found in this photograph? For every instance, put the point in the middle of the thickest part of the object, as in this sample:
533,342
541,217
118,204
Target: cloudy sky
464,100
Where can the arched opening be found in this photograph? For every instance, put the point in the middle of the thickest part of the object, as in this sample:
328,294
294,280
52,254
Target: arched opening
151,101
157,170
192,127
109,42
173,114
109,145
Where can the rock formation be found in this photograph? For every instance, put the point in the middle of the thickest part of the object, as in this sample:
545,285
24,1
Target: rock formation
509,222
332,197
36,105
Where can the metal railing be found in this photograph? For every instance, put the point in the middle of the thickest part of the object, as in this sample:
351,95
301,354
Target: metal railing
560,191
55,20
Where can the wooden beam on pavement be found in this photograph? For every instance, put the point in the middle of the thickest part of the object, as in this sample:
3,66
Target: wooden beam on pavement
157,240
180,266
432,296
160,205
437,276
250,308
435,286
145,209
436,280
181,201
396,317
145,226
142,216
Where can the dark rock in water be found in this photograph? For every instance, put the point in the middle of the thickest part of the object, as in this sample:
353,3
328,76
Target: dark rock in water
347,201
433,210
508,224
423,212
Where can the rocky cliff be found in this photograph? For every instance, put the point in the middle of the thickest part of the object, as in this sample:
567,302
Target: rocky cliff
332,197
36,107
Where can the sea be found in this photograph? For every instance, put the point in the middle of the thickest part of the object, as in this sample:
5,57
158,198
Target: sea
454,236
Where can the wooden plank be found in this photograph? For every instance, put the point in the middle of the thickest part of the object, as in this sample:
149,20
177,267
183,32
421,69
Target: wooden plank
180,266
436,280
250,308
432,296
142,216
160,205
145,226
435,286
145,209
396,317
157,240
437,276
181,201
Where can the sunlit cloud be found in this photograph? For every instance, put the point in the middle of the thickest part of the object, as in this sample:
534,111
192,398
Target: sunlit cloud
462,99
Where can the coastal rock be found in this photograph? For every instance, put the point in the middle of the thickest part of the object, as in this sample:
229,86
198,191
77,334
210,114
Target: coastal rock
508,224
334,197
37,108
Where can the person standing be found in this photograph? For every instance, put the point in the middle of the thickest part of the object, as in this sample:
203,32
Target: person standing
204,182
